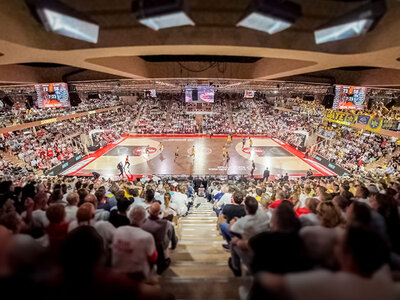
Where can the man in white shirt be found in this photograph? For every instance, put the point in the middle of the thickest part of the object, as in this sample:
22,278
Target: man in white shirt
225,199
134,250
181,200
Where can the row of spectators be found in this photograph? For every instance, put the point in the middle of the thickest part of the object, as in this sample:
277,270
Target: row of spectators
86,239
19,113
180,121
51,144
335,238
312,239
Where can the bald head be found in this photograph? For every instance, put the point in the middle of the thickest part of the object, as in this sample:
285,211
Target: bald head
85,212
137,216
73,198
155,209
92,199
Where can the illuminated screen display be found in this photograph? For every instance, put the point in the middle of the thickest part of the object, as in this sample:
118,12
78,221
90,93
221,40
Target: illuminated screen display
349,97
249,94
199,94
52,95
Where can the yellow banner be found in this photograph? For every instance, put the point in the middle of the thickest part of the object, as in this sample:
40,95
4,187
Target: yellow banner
340,117
48,121
374,124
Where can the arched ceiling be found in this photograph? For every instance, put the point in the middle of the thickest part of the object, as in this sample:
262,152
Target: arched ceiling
30,54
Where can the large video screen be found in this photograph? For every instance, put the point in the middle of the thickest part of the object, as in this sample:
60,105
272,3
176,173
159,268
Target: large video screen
349,97
249,94
52,95
199,94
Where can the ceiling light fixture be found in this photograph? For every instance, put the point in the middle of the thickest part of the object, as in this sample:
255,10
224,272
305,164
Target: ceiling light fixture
356,23
161,14
64,20
270,16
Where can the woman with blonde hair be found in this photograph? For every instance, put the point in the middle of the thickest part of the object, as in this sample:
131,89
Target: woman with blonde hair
329,215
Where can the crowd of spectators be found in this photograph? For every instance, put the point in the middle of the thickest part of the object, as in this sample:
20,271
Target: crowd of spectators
218,122
246,118
51,144
19,113
153,116
308,238
83,238
355,150
180,121
335,238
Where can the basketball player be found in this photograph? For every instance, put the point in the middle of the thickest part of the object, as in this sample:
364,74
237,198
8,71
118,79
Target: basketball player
160,147
192,152
223,152
176,153
251,143
147,149
229,139
127,163
243,143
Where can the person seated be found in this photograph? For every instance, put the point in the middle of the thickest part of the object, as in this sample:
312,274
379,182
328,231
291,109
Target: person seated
255,222
118,216
133,249
229,212
164,234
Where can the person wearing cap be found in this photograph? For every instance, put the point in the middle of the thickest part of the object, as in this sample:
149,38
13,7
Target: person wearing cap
134,249
164,234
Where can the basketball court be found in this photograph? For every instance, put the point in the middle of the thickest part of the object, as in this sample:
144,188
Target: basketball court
147,157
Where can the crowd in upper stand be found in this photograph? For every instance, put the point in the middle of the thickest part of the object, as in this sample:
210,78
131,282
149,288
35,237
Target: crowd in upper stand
53,143
180,121
153,116
345,146
217,122
19,113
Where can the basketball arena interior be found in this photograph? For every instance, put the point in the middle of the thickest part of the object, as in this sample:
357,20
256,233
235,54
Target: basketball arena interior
176,149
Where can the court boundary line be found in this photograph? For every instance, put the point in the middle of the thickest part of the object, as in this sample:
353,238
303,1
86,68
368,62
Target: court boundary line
301,155
99,153
323,171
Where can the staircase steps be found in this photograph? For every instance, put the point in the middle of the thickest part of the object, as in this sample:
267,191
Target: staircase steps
199,265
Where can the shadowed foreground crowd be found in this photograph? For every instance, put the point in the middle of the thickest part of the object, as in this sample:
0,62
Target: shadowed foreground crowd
335,238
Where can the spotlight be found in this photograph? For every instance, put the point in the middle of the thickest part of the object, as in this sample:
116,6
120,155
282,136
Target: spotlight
357,22
62,19
160,14
270,16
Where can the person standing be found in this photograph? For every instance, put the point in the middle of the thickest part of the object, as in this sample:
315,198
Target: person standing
266,174
192,153
176,153
253,167
121,169
160,147
251,142
243,143
127,163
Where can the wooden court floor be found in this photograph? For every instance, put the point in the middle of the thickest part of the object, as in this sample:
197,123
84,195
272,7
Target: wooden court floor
147,157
